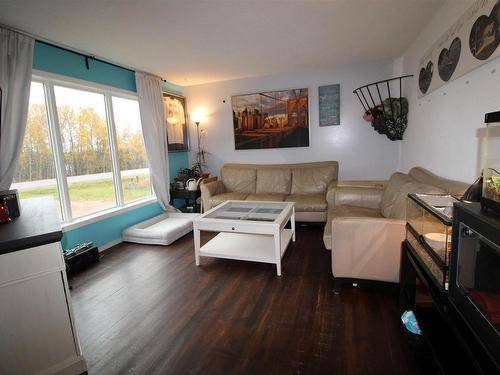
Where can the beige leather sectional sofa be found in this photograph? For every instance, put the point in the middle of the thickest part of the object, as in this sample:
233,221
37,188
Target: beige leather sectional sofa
306,184
366,222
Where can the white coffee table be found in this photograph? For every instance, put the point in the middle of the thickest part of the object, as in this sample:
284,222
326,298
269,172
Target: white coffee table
252,231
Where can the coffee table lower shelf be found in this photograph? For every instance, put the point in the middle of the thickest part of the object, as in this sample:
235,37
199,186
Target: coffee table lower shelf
250,247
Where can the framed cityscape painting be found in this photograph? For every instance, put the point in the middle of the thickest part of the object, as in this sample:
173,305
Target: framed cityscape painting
272,119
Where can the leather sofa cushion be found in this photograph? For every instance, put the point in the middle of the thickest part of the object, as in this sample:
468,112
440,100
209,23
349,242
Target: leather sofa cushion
274,180
354,211
358,196
312,180
423,176
215,200
266,197
240,180
394,198
308,203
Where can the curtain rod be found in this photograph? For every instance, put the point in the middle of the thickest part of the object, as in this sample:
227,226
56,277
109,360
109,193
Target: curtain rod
66,48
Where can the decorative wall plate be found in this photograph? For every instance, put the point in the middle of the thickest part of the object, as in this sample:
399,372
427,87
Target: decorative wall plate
425,77
448,59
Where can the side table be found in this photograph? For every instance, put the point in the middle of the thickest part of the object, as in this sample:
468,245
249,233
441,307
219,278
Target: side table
190,197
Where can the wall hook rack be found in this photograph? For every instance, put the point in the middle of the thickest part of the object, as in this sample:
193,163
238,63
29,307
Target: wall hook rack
387,116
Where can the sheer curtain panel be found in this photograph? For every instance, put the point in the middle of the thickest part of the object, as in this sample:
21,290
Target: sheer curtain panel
16,60
155,138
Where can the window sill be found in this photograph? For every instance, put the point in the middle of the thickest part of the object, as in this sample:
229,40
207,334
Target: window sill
90,219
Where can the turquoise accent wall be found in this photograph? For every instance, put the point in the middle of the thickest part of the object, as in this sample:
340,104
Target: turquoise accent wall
55,60
58,61
172,88
177,160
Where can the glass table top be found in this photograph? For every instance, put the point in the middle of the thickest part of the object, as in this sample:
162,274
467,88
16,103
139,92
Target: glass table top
250,211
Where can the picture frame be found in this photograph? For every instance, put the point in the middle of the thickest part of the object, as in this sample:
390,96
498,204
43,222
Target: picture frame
473,40
272,119
329,105
176,122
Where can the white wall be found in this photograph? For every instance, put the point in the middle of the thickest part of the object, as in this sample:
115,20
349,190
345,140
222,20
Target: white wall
442,125
361,152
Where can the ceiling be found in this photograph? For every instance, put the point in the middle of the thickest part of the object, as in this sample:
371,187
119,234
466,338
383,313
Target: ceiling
192,42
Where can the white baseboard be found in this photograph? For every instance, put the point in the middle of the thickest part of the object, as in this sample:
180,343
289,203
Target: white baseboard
110,244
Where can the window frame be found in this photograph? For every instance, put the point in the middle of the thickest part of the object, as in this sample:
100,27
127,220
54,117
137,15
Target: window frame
49,80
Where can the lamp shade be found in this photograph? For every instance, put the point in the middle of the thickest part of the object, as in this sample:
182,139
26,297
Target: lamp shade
198,116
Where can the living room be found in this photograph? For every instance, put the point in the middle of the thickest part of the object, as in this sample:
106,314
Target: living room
245,186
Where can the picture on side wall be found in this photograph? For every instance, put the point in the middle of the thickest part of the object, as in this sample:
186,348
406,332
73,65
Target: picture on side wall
273,119
471,41
176,122
329,105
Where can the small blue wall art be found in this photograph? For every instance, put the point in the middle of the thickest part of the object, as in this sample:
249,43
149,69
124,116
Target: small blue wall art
329,105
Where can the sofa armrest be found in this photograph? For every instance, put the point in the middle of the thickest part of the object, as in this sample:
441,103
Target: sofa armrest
209,179
208,190
367,248
356,193
330,193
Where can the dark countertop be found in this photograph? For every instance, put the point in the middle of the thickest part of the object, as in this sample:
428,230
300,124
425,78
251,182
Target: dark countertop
37,225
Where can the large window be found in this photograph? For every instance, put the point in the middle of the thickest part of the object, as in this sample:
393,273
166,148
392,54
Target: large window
84,147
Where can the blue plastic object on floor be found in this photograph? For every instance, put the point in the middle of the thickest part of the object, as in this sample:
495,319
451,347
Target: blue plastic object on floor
410,322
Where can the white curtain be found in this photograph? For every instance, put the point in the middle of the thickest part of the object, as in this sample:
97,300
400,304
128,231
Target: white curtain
16,60
155,137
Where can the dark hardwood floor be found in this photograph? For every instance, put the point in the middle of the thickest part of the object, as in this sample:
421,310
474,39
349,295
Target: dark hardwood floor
149,309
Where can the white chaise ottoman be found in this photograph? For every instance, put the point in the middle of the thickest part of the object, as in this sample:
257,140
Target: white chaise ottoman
160,230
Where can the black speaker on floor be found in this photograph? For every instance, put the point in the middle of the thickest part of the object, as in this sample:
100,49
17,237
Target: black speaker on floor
80,257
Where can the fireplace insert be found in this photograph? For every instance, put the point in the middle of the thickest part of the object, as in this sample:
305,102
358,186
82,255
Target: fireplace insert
474,287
